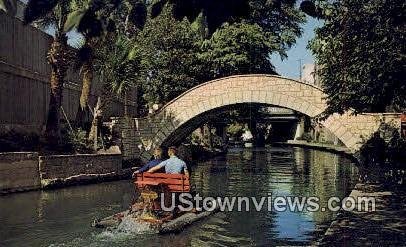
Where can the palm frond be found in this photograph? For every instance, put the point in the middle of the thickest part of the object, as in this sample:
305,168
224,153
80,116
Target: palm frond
38,9
9,6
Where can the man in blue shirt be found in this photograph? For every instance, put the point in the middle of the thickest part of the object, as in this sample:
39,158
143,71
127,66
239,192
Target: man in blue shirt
152,163
173,165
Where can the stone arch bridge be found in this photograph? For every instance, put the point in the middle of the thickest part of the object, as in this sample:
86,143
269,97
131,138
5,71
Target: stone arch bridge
177,119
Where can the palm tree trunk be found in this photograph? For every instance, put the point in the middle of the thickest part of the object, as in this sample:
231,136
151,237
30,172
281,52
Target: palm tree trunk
83,114
87,84
125,104
102,101
57,57
97,117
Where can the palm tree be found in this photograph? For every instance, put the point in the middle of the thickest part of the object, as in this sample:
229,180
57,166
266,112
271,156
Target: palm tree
9,6
96,22
216,12
53,13
118,68
85,20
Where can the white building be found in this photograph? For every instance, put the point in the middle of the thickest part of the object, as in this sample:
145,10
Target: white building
309,74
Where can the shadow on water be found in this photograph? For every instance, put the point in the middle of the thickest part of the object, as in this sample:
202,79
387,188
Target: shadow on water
63,217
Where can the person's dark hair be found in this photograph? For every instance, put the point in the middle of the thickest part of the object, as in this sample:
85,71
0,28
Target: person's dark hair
172,150
158,153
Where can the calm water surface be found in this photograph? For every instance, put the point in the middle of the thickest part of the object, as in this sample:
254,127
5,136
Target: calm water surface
63,217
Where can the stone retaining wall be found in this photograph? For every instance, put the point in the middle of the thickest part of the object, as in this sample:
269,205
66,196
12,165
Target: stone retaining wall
19,172
59,170
24,171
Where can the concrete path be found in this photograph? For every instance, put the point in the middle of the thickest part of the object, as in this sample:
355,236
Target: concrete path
384,227
320,146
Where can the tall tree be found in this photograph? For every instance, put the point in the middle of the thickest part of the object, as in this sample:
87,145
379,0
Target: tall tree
280,21
246,45
169,57
216,11
118,67
96,20
53,13
360,51
239,48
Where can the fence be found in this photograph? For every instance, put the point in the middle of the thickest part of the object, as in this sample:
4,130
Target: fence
24,79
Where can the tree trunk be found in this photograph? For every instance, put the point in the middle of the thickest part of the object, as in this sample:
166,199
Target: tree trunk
96,123
86,84
83,113
58,58
125,104
103,100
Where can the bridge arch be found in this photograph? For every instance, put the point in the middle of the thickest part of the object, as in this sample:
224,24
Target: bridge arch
189,109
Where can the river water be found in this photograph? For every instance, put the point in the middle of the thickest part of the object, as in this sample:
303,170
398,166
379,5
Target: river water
63,217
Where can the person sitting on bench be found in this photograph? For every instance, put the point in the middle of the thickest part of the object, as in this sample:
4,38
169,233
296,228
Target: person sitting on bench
173,165
152,163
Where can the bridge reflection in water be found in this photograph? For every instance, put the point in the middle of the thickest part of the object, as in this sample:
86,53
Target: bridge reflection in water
62,217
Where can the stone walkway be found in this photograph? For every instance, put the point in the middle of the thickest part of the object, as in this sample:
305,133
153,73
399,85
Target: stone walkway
384,227
320,146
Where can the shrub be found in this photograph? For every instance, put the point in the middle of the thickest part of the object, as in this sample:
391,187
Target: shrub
396,151
373,152
306,137
15,141
235,130
75,141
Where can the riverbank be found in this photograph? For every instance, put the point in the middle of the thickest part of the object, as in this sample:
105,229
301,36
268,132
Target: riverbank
201,153
383,227
25,171
318,146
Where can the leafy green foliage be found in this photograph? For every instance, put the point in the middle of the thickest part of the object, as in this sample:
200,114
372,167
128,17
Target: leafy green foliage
169,57
245,46
280,20
117,69
373,151
240,48
397,150
97,15
360,51
177,53
9,6
37,9
18,140
217,12
76,140
306,137
235,130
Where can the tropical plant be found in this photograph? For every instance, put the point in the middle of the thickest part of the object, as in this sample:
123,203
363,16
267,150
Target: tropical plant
53,13
216,12
9,6
118,69
96,20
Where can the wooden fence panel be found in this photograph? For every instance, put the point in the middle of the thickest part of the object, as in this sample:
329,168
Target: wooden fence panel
24,79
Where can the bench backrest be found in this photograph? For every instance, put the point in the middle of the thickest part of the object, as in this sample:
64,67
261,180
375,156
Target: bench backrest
174,182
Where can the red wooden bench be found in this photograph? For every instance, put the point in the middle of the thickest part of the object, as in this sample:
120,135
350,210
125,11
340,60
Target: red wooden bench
173,182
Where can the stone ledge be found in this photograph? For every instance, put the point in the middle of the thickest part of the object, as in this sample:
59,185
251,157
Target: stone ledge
81,179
